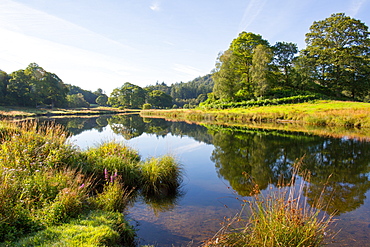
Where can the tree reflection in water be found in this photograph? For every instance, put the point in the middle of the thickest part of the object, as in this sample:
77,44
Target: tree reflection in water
245,157
339,167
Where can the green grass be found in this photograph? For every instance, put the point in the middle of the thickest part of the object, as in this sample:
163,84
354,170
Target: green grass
281,217
97,228
161,174
331,113
50,191
351,119
16,111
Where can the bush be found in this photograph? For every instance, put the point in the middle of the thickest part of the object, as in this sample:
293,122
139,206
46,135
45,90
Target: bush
147,106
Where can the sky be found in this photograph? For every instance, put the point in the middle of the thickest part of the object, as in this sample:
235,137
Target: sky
105,43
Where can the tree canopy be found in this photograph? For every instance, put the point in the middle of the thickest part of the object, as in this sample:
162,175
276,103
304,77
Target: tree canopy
336,59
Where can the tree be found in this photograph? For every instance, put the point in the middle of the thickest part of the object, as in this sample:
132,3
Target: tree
284,54
337,52
159,99
127,96
243,47
4,81
232,76
260,70
102,100
19,89
76,100
226,78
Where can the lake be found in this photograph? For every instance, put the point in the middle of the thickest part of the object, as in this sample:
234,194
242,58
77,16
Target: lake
215,160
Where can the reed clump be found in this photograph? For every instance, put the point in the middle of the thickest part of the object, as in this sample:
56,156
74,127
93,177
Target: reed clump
161,174
281,217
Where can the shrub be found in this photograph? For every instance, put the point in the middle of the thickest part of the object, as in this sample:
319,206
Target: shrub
147,106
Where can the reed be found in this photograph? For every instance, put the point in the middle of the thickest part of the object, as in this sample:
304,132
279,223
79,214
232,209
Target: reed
281,217
161,175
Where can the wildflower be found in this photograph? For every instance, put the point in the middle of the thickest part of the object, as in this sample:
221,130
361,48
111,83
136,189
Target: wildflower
106,175
82,186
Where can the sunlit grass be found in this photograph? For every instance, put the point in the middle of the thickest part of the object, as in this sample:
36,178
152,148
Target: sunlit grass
48,187
280,217
98,228
161,174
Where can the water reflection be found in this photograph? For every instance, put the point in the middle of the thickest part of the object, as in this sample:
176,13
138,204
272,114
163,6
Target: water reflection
339,167
245,157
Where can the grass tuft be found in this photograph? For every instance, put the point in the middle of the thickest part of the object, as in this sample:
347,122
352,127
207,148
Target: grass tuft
160,175
281,217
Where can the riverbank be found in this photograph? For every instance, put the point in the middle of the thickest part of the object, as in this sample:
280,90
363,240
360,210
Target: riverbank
15,111
319,113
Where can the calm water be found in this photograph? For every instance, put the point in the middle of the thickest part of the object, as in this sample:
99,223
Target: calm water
214,159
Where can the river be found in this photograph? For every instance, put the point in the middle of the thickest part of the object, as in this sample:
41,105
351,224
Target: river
216,160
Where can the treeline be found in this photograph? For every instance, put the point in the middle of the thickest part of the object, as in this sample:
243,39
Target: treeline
36,87
334,64
160,95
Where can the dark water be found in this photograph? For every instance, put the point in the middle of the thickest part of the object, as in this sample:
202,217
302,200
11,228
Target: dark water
215,161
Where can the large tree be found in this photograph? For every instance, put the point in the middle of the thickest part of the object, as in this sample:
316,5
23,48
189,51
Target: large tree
159,99
128,96
284,54
232,76
260,70
337,52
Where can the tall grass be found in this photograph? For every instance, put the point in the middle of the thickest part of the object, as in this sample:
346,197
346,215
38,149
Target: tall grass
48,186
161,175
281,217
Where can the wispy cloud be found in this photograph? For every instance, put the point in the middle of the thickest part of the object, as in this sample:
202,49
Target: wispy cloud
188,148
76,54
355,7
188,70
252,11
155,6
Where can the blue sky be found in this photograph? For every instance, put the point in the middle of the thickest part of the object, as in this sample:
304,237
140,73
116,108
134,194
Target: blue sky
105,43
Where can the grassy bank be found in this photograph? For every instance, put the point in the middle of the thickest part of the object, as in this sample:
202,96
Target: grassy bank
325,113
53,194
327,118
15,111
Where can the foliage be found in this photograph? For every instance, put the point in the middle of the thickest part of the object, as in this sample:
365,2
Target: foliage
233,74
35,86
260,70
76,100
128,96
47,187
102,100
263,102
284,55
159,99
87,95
147,106
337,55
